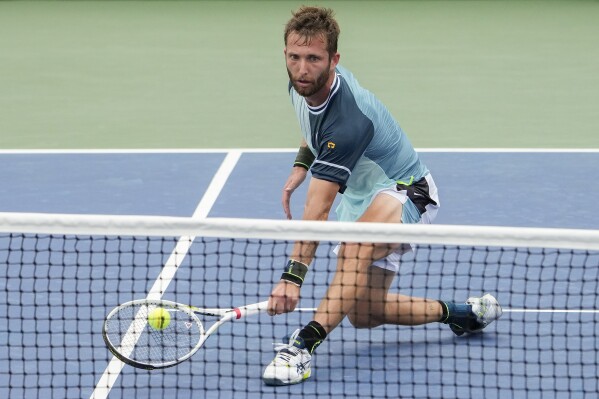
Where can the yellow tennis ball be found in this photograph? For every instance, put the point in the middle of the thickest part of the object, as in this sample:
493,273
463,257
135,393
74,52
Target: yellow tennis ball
159,318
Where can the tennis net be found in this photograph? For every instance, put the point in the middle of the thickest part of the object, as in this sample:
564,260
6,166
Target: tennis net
62,274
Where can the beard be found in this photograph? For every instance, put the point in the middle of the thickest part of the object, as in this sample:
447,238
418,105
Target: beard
315,87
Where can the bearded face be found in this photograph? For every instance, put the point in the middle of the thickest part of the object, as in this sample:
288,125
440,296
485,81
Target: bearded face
310,66
307,86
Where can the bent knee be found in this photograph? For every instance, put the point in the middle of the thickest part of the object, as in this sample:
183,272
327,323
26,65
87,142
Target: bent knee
361,320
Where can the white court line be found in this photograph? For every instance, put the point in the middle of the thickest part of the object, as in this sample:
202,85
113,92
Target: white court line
279,150
175,259
146,151
508,310
511,150
551,310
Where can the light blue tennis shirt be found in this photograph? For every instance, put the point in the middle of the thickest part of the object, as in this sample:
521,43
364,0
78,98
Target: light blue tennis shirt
357,144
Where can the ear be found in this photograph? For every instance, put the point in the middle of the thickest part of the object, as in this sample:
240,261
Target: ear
335,60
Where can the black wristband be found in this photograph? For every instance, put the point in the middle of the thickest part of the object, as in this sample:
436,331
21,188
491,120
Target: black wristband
304,158
295,272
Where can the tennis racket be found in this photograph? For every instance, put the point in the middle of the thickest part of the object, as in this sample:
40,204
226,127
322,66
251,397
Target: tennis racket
133,340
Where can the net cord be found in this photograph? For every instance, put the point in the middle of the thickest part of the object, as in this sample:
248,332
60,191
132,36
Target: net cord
128,225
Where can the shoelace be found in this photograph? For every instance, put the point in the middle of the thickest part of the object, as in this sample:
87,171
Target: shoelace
278,346
286,351
285,355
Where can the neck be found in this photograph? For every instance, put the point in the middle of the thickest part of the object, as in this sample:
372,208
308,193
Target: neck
321,96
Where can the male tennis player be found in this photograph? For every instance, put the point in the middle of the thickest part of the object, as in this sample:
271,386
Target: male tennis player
353,146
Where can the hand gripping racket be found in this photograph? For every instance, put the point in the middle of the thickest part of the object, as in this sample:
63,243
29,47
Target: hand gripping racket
136,342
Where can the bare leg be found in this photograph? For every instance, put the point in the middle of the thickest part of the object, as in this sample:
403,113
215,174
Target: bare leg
349,283
378,306
361,291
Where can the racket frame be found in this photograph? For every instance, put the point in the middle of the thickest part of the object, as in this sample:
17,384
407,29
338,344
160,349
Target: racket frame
224,315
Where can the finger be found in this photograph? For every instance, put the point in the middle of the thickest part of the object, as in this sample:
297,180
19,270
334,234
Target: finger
270,309
288,214
290,306
274,306
286,208
280,308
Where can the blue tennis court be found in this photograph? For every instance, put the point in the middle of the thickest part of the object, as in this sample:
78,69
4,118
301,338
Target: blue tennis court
478,187
506,188
78,78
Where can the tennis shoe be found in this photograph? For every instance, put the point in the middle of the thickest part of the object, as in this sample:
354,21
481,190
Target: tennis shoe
486,309
291,365
474,315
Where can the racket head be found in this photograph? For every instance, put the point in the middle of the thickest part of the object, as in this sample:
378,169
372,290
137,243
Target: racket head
130,337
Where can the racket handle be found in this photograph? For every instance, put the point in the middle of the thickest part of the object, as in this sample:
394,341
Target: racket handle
248,310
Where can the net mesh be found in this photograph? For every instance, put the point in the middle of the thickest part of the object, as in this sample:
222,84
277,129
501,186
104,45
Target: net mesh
62,274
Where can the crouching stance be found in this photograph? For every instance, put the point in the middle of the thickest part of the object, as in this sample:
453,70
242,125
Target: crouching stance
354,147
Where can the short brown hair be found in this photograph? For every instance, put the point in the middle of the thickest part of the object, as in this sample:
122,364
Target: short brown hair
309,22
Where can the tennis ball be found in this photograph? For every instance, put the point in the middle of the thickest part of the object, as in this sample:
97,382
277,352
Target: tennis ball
159,318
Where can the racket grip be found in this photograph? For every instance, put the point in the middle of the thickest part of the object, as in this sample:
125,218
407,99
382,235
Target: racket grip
249,310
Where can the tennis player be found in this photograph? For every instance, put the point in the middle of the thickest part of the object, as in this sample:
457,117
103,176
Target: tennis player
352,146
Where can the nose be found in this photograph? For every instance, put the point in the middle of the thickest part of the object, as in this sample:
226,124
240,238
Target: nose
303,67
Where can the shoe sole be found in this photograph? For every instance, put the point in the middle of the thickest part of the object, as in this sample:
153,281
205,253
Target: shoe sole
277,382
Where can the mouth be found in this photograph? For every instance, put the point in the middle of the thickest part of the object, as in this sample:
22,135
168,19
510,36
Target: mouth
303,83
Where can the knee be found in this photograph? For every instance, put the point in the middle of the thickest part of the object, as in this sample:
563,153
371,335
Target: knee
363,320
360,254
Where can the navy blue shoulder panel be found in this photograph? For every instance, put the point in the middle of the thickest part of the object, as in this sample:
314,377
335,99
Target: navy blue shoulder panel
340,135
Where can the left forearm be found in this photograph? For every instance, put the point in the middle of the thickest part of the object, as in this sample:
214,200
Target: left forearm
303,251
319,201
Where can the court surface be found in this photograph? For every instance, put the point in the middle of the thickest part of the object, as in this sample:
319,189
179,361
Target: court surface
532,188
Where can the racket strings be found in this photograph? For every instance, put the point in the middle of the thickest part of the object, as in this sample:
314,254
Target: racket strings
129,330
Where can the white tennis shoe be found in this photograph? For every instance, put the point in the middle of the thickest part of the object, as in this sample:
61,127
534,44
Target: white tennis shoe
486,309
291,365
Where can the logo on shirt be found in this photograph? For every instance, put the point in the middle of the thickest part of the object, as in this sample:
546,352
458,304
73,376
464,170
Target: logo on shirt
331,145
